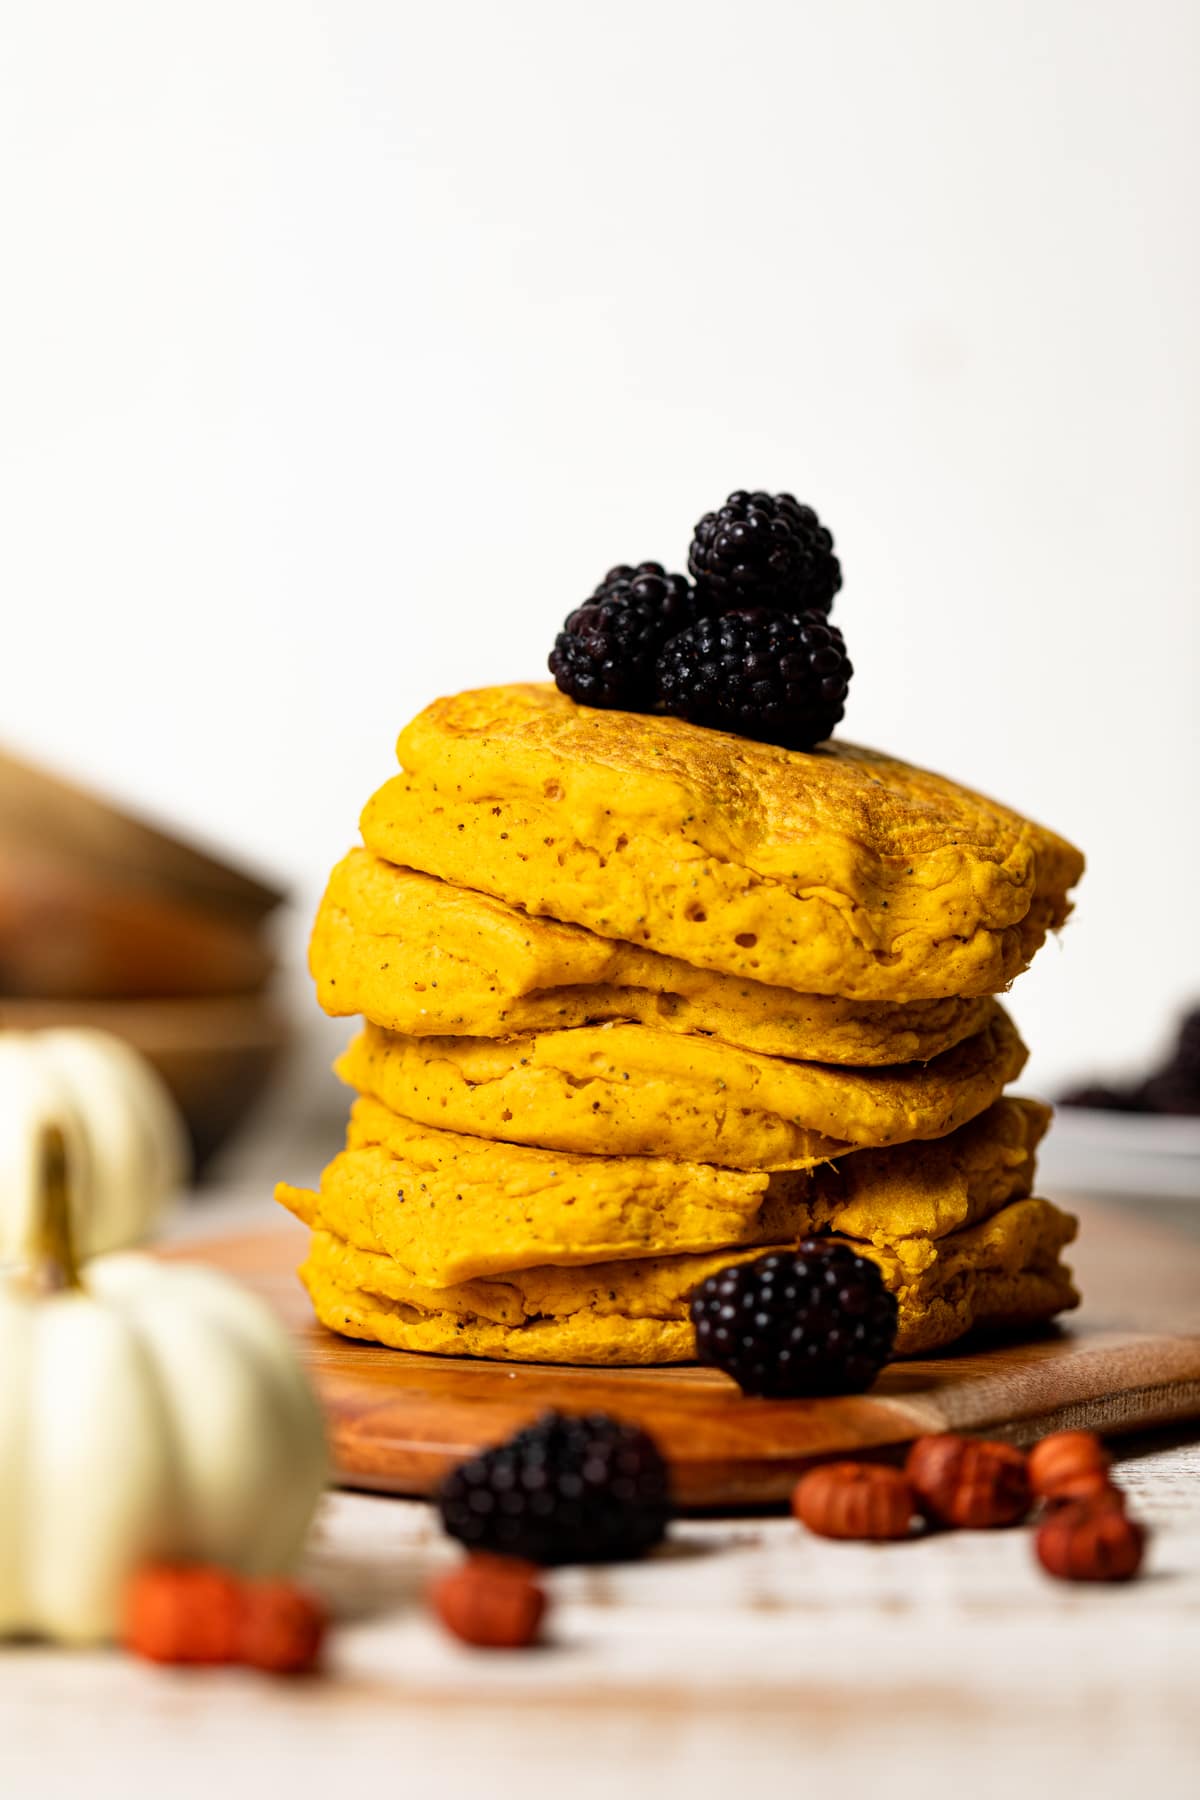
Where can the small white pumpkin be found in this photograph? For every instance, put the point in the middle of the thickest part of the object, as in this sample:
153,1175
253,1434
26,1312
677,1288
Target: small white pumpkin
126,1150
159,1413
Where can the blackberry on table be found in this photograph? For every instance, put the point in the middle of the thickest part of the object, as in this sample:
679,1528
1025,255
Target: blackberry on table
764,549
814,1320
1186,1057
767,675
566,1489
1175,1088
605,653
1103,1096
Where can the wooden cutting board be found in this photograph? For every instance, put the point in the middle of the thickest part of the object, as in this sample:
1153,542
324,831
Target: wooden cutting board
1129,1359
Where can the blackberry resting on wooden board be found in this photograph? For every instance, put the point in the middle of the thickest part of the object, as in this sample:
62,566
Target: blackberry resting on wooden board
816,1320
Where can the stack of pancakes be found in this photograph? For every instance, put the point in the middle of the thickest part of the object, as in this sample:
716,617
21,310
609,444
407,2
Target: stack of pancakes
642,1000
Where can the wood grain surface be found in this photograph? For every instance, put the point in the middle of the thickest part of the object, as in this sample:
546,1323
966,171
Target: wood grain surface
1129,1359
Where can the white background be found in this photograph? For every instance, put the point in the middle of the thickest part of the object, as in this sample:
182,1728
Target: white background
344,347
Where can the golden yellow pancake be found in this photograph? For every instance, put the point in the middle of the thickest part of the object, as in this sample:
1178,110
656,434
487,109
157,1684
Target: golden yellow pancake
1003,1270
451,1209
630,1090
840,871
427,959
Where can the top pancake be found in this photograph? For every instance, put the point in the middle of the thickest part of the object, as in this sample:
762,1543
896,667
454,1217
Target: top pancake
840,871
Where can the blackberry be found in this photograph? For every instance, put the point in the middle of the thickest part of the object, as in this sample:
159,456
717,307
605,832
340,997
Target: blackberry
764,550
814,1320
1169,1091
567,1489
762,674
1175,1087
1101,1096
1186,1057
673,595
606,651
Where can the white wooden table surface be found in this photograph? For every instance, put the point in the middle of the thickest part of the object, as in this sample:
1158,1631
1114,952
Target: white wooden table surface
747,1652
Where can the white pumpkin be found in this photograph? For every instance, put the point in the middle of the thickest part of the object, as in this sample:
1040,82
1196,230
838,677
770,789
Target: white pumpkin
126,1149
159,1413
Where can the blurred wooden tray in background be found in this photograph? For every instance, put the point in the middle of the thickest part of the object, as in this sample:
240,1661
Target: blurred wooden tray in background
109,922
68,931
40,812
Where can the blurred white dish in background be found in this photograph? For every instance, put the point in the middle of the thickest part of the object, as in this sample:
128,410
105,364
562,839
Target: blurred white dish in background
126,1148
1127,1154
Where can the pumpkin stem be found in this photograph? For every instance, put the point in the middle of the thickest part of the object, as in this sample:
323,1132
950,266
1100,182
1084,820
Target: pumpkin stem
52,1265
